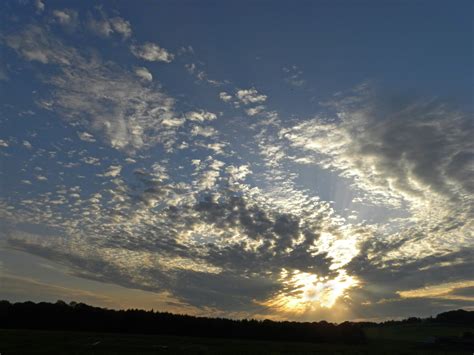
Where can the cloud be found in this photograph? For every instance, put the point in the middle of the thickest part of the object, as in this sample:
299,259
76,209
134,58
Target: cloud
412,157
463,290
293,76
144,74
190,68
243,232
20,289
201,75
113,171
39,4
113,103
253,111
34,44
200,116
121,26
106,26
429,282
91,160
3,143
196,70
237,236
86,137
102,97
27,144
237,173
420,152
151,52
250,96
66,17
203,131
225,96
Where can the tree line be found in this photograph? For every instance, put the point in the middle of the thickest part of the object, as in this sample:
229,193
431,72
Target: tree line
82,317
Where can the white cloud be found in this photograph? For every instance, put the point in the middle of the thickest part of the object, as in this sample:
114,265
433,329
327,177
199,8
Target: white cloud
66,17
190,68
253,111
412,158
34,44
27,144
91,160
39,4
209,177
250,96
143,73
237,173
395,153
217,148
203,131
112,171
200,74
173,122
225,96
101,97
86,137
3,143
151,52
200,116
106,26
121,26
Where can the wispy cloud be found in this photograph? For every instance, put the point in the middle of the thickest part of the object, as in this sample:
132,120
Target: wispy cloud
66,17
106,26
151,52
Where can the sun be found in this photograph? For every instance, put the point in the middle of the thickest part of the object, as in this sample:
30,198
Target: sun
304,292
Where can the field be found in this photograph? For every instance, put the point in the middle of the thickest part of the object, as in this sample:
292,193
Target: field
397,339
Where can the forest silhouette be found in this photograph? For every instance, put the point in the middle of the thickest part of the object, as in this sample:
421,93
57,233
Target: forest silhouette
82,317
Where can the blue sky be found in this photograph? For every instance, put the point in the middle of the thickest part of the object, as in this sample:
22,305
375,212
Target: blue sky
301,160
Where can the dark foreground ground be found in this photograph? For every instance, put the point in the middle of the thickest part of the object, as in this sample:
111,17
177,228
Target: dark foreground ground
396,339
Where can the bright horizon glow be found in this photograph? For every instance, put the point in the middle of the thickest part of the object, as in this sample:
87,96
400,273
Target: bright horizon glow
306,293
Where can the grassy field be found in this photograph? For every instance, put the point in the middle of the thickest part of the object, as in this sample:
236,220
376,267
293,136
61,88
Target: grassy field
414,332
388,340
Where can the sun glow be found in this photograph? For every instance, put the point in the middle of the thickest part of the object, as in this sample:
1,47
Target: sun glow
304,292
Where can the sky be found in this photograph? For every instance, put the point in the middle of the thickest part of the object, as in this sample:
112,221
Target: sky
301,160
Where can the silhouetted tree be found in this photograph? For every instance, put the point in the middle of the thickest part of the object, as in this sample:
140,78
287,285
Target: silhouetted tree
82,317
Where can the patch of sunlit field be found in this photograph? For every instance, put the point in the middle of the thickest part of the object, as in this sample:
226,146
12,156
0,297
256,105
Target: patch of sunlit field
57,342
